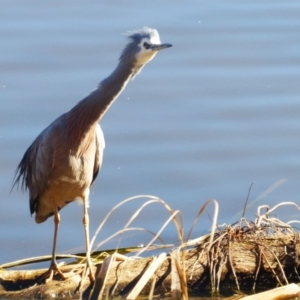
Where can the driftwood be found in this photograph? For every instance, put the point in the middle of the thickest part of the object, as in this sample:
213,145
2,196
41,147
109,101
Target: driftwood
246,258
290,291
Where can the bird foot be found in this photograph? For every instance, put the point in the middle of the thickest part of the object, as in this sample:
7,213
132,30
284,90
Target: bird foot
53,270
91,275
88,271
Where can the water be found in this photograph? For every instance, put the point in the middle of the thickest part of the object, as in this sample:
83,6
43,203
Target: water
206,118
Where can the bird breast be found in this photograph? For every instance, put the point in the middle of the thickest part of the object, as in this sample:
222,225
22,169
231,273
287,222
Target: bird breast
76,166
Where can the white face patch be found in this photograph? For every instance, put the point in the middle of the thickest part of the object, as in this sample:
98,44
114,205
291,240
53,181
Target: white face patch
155,37
145,55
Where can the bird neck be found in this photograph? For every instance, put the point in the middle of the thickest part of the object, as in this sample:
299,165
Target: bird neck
113,85
83,118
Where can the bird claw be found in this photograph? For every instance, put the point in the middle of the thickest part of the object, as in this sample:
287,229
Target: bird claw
91,275
88,271
53,270
89,268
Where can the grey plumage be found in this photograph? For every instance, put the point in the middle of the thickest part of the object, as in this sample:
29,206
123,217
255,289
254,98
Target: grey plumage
64,160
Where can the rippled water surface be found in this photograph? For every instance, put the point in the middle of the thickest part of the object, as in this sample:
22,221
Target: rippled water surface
206,118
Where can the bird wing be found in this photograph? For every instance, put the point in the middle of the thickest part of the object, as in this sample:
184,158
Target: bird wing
100,145
35,167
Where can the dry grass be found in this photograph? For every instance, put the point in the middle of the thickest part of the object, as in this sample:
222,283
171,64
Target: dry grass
264,227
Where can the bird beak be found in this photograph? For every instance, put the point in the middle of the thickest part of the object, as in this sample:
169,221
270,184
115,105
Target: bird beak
160,47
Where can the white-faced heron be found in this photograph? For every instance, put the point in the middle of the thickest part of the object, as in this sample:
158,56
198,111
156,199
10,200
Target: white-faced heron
64,160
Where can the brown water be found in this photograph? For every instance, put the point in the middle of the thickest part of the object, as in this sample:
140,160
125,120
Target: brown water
206,118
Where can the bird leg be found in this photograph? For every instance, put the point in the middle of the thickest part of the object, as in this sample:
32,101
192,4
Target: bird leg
87,239
48,276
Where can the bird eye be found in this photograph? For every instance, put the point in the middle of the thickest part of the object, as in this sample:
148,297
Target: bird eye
146,45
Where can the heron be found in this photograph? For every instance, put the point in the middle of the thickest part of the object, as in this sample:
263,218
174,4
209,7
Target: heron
64,160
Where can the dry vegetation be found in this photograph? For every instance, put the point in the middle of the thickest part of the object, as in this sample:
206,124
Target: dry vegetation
245,256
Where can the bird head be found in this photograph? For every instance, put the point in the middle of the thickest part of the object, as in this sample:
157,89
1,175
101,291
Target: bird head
144,45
